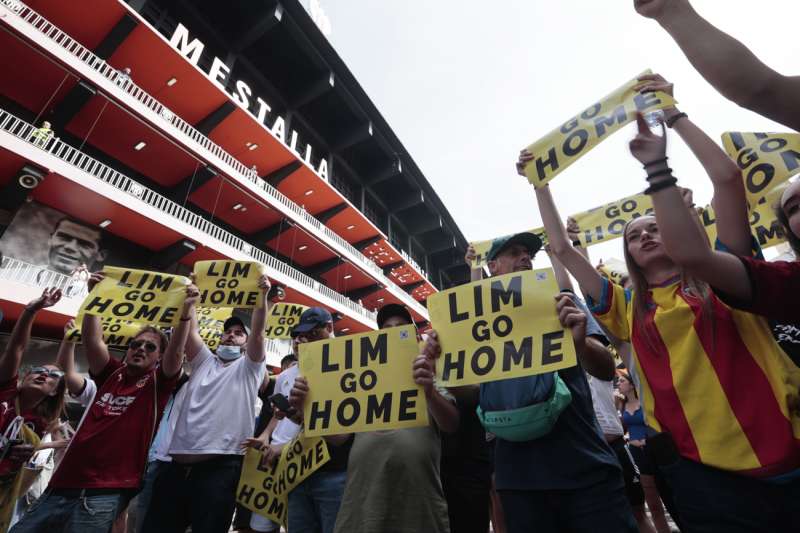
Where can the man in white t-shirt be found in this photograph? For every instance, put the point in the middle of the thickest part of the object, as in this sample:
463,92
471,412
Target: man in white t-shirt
198,488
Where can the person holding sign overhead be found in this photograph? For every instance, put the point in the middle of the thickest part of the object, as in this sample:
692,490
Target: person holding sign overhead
217,413
763,473
553,467
713,380
103,466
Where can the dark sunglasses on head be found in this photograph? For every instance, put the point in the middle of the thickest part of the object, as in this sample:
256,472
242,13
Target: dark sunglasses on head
148,346
50,372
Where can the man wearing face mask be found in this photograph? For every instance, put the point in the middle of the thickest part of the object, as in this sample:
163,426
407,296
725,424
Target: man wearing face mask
198,488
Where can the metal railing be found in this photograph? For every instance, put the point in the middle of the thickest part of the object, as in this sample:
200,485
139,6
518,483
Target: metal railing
25,131
40,276
239,170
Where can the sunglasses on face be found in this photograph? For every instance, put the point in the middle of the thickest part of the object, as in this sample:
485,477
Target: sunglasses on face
148,346
49,372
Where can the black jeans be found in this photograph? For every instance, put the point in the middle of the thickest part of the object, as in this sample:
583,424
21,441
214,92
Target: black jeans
201,495
715,501
601,507
466,487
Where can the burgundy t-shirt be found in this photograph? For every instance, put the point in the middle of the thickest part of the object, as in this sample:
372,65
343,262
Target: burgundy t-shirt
775,287
110,448
8,412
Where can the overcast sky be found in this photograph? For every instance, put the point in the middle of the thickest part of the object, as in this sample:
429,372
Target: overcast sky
467,84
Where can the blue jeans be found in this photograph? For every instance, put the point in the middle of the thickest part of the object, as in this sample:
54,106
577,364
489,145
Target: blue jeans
711,500
314,503
600,507
61,511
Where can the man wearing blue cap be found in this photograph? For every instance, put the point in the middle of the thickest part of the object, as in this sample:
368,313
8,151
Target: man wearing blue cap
216,414
314,504
553,473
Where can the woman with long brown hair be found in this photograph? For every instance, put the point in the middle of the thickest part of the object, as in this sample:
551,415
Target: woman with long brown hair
27,406
714,384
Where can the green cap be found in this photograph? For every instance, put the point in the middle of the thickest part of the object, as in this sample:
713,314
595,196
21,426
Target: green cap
529,240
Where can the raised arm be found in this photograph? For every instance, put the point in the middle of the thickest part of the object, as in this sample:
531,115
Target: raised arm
11,357
590,281
475,274
726,63
562,276
255,341
730,202
66,361
593,356
444,411
677,225
172,358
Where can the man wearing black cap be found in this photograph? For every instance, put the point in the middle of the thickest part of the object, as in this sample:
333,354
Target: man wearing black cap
559,476
216,415
382,464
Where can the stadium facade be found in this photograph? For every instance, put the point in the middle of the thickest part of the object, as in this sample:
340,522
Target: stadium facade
189,130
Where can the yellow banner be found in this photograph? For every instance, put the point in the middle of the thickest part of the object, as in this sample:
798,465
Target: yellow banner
138,296
764,226
607,222
578,135
766,159
499,328
282,318
115,332
257,488
299,459
362,383
482,247
228,283
211,324
613,269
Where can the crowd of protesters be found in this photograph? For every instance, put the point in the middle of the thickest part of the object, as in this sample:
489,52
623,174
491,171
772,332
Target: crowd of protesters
682,414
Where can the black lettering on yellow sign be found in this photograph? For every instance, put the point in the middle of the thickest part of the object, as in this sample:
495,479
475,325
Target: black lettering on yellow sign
500,328
130,311
581,133
498,294
362,383
514,357
282,318
771,159
228,283
608,222
299,462
257,488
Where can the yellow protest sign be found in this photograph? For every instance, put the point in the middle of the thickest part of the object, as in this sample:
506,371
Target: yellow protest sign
607,222
613,269
498,328
764,226
211,324
116,332
265,490
282,318
362,383
257,488
299,459
228,283
577,136
482,247
766,159
138,296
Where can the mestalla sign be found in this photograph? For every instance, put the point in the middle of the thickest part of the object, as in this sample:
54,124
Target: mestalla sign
242,94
